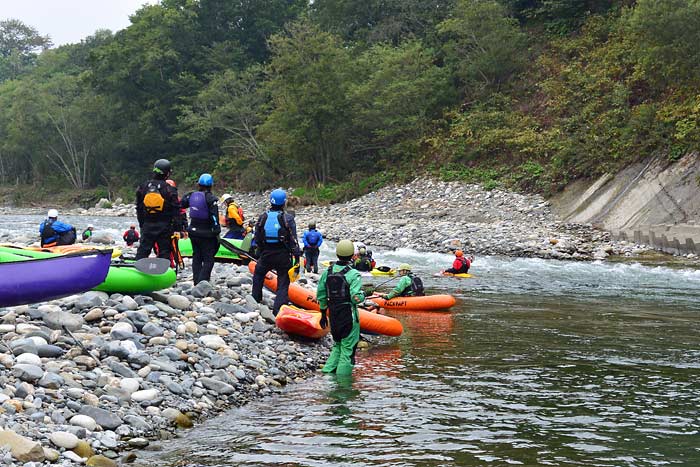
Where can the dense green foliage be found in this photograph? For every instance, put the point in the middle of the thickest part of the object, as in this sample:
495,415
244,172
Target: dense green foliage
341,96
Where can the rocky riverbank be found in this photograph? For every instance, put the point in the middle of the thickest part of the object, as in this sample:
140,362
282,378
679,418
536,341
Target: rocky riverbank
144,366
430,215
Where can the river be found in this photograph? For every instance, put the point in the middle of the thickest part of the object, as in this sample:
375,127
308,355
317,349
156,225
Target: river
540,363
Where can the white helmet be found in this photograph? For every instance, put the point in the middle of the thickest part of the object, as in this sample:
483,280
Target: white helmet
90,226
52,213
226,197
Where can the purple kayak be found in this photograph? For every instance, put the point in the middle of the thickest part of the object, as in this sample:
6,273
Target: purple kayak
26,280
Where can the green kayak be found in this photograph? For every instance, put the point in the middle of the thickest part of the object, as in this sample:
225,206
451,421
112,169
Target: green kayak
224,255
120,278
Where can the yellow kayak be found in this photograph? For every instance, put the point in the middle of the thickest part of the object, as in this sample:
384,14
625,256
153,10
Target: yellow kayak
378,272
463,275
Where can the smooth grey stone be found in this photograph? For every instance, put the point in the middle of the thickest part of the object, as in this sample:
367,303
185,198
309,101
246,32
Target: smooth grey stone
122,370
103,418
137,318
151,309
153,330
59,319
217,386
27,372
20,346
201,290
58,418
91,300
139,359
219,361
259,326
51,381
50,351
224,309
164,366
115,349
137,422
173,354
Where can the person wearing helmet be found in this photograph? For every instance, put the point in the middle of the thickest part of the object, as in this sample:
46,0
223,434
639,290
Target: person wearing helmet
204,227
233,217
157,210
53,232
363,261
276,240
408,285
87,233
181,223
461,263
313,240
339,292
131,236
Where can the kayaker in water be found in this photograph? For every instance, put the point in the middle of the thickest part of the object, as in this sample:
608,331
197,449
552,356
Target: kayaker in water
54,232
313,240
131,236
233,214
461,263
87,233
276,241
364,261
157,210
339,292
204,227
408,285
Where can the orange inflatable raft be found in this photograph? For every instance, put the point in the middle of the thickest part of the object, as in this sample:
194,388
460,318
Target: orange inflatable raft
298,321
424,303
305,298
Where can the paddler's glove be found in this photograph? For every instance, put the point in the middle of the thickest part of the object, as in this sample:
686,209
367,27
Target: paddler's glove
324,320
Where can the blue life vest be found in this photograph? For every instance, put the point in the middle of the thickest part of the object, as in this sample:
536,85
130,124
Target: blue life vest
198,206
273,228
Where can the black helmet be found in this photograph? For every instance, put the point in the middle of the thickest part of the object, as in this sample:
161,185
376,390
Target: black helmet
312,225
162,166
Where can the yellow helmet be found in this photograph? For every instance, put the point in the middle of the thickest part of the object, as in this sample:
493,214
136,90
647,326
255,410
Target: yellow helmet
344,248
405,267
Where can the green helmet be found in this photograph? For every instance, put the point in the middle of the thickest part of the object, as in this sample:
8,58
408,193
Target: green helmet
344,248
405,267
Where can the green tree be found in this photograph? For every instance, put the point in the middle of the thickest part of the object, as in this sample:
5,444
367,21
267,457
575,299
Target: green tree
374,21
403,92
667,34
308,128
19,44
483,45
227,114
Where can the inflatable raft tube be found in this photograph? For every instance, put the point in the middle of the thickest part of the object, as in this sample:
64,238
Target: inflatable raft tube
300,322
305,298
424,303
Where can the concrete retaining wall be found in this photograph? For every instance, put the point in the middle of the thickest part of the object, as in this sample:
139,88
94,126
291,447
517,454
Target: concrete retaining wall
655,203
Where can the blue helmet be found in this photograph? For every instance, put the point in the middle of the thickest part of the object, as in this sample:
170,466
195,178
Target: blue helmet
206,180
278,197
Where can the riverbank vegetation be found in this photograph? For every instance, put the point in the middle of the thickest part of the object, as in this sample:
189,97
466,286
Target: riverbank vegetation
339,97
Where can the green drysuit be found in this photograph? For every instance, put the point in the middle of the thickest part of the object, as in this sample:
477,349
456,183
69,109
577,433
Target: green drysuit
403,284
342,357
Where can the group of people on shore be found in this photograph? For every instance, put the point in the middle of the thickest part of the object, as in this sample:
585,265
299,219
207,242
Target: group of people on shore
161,214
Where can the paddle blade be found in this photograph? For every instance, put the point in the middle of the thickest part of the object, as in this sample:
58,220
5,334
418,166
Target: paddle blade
154,266
246,243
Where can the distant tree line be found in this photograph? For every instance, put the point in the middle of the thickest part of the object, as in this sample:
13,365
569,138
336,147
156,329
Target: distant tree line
526,93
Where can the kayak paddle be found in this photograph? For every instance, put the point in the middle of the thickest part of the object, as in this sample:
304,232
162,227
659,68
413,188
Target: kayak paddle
153,266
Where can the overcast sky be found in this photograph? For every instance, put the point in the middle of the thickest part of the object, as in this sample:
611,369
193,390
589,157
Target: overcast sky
69,21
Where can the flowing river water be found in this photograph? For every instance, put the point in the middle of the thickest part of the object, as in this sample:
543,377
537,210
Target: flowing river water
540,363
